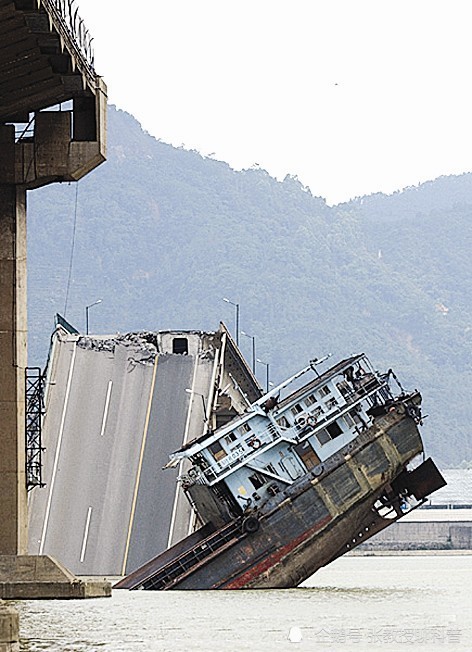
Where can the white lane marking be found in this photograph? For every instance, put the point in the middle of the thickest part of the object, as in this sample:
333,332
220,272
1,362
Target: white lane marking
58,450
105,411
177,488
86,531
140,465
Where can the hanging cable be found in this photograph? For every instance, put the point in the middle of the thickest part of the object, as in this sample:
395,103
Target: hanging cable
71,250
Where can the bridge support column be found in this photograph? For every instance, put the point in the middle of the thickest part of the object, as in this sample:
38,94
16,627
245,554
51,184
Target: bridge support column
21,576
13,343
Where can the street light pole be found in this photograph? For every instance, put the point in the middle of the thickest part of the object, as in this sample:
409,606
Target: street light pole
87,314
236,305
267,364
253,338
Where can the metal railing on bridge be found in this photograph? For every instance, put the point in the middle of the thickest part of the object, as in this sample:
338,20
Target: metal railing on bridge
33,418
65,14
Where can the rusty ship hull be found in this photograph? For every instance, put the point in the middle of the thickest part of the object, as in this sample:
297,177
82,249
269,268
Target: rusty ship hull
337,505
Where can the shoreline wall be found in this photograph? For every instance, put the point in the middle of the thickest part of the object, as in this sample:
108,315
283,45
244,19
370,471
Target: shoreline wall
428,535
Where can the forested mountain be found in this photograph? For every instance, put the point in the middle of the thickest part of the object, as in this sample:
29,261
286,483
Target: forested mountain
162,234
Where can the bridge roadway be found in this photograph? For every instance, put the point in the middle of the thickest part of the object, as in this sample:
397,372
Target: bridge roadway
110,424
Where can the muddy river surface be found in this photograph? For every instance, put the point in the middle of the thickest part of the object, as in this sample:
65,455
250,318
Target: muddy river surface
421,602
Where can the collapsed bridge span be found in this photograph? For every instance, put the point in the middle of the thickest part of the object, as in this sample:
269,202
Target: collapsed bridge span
116,406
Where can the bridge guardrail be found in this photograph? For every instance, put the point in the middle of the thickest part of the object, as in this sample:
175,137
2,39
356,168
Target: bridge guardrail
67,19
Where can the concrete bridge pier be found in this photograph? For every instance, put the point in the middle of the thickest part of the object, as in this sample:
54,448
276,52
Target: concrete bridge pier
21,576
13,347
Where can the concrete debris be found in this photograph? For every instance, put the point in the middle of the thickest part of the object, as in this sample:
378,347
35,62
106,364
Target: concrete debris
142,358
94,344
209,354
144,345
147,338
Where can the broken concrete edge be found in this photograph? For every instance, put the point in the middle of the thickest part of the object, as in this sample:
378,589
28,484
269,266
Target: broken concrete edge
41,577
9,628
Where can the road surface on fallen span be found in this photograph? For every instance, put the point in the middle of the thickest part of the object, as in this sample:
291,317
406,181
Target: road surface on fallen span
111,423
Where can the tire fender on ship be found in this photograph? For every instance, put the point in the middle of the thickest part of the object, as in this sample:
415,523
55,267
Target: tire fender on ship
301,421
250,524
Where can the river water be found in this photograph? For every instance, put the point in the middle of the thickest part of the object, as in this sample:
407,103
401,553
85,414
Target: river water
370,604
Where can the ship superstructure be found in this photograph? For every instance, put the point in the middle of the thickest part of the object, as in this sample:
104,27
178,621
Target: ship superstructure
278,441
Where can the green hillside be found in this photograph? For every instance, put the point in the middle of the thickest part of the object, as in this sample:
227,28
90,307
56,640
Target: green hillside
162,234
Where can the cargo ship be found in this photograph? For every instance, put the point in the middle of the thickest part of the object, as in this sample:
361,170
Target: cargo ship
308,472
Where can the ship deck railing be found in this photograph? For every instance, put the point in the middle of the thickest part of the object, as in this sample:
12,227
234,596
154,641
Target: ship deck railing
292,434
262,440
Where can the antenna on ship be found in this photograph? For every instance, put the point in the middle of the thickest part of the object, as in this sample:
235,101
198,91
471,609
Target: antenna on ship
316,361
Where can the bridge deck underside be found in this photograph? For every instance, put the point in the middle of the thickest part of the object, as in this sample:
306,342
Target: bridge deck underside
38,67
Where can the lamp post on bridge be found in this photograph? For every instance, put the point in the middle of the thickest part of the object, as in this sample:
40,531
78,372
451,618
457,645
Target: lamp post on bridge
267,365
236,305
87,314
253,338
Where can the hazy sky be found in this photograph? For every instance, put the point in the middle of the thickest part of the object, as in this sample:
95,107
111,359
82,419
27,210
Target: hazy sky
352,96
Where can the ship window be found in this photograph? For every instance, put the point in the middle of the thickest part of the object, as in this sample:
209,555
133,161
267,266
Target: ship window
230,437
323,436
244,428
330,432
331,403
217,450
310,400
334,430
296,409
180,345
355,416
283,422
257,480
324,391
271,469
343,388
348,420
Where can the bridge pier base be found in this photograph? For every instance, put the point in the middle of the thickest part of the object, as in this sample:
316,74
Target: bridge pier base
9,629
41,577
